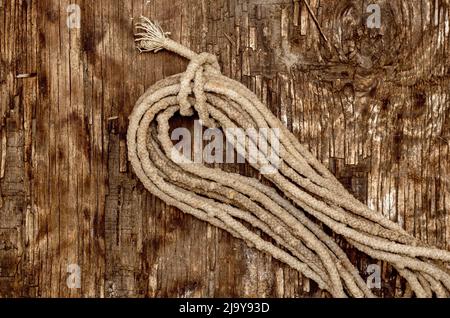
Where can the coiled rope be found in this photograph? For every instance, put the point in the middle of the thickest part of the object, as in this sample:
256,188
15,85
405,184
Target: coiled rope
303,191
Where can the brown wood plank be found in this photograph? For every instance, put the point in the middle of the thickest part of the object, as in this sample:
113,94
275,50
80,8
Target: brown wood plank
374,105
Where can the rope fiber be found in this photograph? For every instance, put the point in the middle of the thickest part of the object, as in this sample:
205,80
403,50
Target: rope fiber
286,219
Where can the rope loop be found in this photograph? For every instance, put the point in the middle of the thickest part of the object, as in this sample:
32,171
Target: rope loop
282,213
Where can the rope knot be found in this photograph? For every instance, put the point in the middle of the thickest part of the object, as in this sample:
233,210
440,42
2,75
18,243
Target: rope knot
198,66
152,39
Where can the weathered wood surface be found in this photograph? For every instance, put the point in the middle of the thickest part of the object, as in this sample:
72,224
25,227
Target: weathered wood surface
373,104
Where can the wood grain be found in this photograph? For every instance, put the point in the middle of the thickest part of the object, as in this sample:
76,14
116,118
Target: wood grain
372,104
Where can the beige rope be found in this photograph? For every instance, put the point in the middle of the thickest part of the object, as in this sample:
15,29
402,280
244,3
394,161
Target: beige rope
303,191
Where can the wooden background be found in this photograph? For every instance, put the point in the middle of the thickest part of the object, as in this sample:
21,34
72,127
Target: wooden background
372,104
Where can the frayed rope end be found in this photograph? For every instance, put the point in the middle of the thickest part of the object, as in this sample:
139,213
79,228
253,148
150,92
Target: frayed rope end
152,38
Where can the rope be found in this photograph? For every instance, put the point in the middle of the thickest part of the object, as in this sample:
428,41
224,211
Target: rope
280,219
